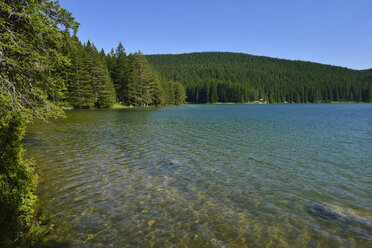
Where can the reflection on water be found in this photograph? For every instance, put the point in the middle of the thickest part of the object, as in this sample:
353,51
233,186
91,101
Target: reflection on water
208,176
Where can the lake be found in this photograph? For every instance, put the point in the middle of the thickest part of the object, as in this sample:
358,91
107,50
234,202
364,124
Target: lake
276,175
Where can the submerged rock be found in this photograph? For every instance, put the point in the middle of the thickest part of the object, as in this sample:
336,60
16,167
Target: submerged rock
324,212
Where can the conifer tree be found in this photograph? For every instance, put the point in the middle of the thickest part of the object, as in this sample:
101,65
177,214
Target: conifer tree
120,73
104,93
107,96
179,94
81,92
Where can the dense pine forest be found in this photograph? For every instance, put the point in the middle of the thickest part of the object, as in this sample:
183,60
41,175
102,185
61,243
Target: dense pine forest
211,77
137,83
93,79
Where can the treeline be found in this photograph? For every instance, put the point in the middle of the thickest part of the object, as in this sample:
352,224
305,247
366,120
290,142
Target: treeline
234,77
138,84
96,80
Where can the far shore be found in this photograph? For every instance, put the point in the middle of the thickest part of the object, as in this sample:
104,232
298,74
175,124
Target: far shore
121,106
258,102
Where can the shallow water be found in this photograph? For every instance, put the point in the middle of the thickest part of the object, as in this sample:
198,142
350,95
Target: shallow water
295,175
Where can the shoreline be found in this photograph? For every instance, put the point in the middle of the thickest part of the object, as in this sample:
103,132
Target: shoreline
120,106
280,103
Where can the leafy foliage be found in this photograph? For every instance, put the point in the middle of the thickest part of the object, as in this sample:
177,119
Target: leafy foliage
20,220
30,49
31,45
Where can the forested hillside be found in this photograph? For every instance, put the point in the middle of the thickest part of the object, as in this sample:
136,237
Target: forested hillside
235,77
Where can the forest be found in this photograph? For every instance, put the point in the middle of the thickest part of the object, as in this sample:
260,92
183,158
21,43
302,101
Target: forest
210,77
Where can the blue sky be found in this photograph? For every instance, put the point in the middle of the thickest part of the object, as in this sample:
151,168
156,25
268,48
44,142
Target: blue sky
337,32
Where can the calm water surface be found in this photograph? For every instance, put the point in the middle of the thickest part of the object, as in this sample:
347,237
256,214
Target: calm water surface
208,176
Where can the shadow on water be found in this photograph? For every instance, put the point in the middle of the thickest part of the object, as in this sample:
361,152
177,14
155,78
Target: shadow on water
56,244
31,139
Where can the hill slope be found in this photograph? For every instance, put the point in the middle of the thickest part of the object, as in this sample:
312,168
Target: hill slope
236,77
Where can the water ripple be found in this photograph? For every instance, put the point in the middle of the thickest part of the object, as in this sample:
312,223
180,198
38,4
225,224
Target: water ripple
208,176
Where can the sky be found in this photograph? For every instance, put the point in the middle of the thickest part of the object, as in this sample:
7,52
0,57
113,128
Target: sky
336,32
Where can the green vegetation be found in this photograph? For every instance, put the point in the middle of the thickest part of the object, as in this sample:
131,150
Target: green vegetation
20,218
211,77
119,106
94,80
138,84
88,82
31,56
